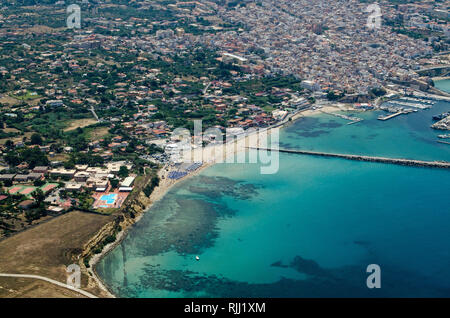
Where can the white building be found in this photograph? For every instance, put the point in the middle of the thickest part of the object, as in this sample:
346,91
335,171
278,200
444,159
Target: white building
127,182
310,85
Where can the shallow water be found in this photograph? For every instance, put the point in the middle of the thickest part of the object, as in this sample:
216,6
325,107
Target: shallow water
308,231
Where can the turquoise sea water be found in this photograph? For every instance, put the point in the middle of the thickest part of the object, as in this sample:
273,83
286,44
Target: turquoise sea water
443,85
308,231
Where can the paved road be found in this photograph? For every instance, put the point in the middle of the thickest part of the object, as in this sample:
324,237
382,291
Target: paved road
94,113
52,281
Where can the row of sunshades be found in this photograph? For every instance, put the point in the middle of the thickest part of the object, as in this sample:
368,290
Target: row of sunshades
193,167
177,175
180,174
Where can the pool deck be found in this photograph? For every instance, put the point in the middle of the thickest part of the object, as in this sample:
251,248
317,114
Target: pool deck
99,203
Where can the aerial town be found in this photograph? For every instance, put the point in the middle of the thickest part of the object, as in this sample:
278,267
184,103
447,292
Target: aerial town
87,114
115,89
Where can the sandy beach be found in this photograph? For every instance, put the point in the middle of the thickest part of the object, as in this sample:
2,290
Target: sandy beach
158,193
440,78
209,155
213,154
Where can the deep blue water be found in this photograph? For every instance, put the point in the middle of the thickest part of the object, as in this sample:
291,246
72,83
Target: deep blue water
308,231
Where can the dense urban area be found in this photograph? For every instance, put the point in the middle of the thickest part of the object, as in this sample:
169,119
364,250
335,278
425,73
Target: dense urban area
86,114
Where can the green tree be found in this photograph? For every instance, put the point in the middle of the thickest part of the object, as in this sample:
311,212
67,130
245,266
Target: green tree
36,139
34,157
332,96
123,172
9,144
12,159
38,183
114,183
38,195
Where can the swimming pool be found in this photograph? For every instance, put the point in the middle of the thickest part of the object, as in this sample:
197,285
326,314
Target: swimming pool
109,198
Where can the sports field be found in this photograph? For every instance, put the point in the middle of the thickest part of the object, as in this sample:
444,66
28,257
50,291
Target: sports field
28,189
48,187
21,189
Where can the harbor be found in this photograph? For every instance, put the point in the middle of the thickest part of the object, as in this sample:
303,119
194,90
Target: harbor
431,96
400,102
239,206
409,104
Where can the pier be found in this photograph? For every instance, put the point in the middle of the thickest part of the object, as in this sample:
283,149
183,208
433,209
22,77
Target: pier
417,100
390,116
353,120
397,161
432,96
415,105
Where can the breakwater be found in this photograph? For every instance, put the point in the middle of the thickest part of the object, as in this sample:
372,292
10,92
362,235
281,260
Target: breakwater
397,161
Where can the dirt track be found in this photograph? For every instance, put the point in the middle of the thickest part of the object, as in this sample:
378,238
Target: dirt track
46,250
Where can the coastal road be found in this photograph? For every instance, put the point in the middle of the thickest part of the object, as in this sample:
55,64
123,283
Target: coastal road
52,281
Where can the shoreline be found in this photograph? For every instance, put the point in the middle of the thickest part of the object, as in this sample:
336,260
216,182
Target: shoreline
167,184
157,194
440,78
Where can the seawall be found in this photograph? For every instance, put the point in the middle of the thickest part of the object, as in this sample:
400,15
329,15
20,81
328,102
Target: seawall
397,161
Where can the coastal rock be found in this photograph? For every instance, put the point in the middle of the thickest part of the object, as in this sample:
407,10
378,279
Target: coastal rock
128,215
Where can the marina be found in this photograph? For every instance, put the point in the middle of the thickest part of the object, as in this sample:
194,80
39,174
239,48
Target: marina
441,116
406,104
242,206
431,96
417,100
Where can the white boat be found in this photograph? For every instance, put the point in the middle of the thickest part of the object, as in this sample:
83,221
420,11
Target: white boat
197,258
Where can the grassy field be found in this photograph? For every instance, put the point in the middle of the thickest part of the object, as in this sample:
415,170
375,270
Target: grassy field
17,138
98,133
60,157
46,250
30,288
11,130
80,123
8,100
26,96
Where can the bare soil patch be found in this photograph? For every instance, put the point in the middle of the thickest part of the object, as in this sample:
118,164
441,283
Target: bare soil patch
46,250
80,123
98,133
